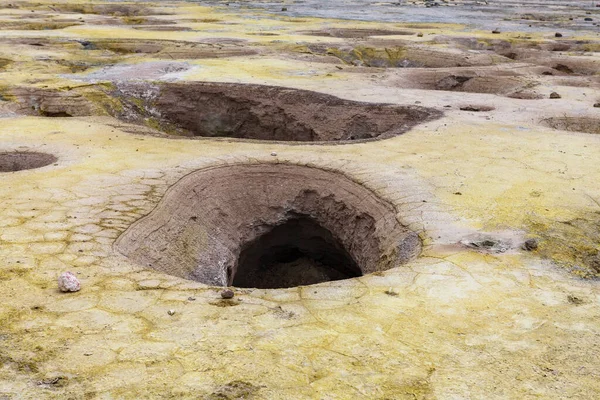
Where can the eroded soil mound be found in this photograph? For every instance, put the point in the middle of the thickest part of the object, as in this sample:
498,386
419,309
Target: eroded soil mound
268,226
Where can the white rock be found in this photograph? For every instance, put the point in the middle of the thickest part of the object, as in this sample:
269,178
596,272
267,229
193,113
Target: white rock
67,282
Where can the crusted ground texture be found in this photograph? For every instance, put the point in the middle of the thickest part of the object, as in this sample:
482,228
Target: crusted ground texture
454,236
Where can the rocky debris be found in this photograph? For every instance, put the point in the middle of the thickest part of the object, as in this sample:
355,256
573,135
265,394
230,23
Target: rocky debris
588,19
597,105
530,245
557,34
575,300
68,282
227,294
474,108
171,312
55,381
555,95
496,31
486,243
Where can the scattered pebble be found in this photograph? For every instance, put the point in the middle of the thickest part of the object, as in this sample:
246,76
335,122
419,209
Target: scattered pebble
557,34
597,105
171,312
575,300
68,282
530,245
588,19
554,95
420,34
496,30
191,298
273,154
227,294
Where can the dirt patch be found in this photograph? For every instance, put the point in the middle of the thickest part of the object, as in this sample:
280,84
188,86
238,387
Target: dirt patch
36,26
571,243
234,390
22,160
391,54
172,49
476,108
264,112
120,10
574,124
163,28
267,226
504,83
354,33
52,103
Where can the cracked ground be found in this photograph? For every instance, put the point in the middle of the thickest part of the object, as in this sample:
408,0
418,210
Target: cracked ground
476,315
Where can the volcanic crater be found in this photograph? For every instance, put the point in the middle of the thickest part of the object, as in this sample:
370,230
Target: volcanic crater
269,226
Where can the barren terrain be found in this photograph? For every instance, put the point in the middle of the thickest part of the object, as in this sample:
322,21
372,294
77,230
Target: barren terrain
402,197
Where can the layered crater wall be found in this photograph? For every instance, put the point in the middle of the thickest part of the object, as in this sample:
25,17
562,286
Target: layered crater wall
234,224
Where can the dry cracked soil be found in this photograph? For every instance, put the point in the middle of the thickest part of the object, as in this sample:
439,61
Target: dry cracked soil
300,199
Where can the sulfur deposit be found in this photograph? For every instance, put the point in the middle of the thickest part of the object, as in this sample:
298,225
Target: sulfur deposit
300,200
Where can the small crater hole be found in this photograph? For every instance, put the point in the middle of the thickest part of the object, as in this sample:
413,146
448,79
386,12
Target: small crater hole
22,160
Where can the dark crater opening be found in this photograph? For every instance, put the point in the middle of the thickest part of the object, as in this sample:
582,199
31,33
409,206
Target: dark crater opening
263,112
297,252
269,226
22,160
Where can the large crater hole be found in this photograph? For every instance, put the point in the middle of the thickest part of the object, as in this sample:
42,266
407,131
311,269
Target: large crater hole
267,113
269,226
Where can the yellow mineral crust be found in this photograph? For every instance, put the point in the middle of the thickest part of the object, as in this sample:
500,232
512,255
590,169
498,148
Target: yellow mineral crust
457,322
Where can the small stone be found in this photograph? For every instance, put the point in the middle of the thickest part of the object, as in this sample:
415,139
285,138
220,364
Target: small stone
496,31
588,19
283,8
191,298
597,105
420,34
557,34
530,244
575,300
227,294
273,154
171,312
68,282
554,95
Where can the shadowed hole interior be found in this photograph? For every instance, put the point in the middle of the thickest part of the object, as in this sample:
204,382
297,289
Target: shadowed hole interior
21,160
297,252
